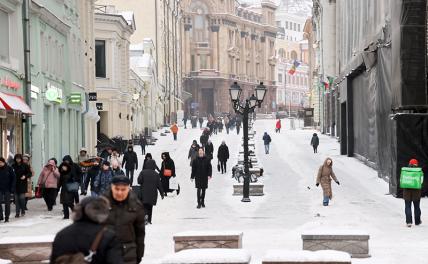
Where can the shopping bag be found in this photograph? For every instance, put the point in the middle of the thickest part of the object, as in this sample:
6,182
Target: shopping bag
411,178
173,183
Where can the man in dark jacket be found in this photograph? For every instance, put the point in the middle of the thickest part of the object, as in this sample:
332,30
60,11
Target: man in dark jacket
7,187
150,185
315,141
209,150
89,218
204,138
126,218
130,163
22,174
76,174
201,172
201,121
266,141
223,156
143,144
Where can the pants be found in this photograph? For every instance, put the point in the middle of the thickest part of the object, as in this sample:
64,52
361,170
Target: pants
237,130
128,172
326,200
185,124
223,166
408,211
83,186
227,130
143,149
76,197
148,210
315,149
267,148
175,136
66,211
49,195
5,196
201,196
278,130
20,203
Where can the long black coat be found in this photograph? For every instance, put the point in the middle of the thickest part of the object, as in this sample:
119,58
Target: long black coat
21,170
65,197
79,236
169,165
201,170
223,153
7,179
130,160
150,185
315,141
209,150
126,219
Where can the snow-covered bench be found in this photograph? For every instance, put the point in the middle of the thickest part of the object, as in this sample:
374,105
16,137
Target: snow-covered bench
29,249
354,242
211,256
306,257
256,189
207,239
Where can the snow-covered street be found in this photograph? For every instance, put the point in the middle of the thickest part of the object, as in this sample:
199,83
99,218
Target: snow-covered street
291,205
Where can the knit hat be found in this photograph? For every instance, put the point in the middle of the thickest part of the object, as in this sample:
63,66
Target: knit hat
121,179
414,162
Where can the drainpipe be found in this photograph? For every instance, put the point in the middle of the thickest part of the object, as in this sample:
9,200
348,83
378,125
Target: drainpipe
83,120
27,86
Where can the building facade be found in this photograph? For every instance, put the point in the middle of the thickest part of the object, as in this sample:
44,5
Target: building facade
138,107
223,43
314,98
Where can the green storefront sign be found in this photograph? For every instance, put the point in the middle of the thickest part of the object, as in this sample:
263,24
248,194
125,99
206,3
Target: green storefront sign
75,98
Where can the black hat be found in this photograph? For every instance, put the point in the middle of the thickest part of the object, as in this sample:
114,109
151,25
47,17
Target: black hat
106,163
121,179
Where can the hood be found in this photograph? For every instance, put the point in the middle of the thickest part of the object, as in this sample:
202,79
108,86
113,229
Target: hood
167,157
92,209
315,135
16,157
325,163
130,148
148,156
150,165
68,168
68,158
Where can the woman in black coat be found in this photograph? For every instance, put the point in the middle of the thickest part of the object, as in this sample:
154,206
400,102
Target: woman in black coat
147,158
66,196
209,150
223,156
150,185
167,164
22,174
201,172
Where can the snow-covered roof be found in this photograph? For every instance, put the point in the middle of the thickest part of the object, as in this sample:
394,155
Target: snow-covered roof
129,17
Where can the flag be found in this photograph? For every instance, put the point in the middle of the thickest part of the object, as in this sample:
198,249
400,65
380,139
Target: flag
327,82
294,67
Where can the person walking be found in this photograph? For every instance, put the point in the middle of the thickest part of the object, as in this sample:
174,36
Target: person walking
411,180
204,138
315,141
143,144
126,219
267,140
209,150
167,171
103,180
201,121
76,173
94,170
22,174
223,156
88,233
117,171
201,173
48,181
174,130
29,194
185,121
278,126
150,185
226,124
130,163
106,153
7,187
193,152
324,177
81,159
66,183
147,158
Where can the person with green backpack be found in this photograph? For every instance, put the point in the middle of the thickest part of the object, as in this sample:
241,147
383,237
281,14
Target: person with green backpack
411,180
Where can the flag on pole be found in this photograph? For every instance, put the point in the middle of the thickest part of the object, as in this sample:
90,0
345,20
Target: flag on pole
294,67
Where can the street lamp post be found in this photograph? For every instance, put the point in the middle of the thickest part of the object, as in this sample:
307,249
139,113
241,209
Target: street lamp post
244,110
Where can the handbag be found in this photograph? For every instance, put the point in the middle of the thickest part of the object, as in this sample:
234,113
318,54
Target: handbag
38,193
72,187
167,173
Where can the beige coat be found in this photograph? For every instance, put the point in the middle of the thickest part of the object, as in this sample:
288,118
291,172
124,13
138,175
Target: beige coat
325,174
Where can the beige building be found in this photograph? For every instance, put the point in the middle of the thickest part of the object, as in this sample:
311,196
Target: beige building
224,42
112,39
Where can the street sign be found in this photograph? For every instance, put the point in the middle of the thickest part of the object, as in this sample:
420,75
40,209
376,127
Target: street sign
99,106
92,96
75,98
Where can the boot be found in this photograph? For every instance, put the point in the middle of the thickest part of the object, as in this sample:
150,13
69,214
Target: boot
199,206
203,204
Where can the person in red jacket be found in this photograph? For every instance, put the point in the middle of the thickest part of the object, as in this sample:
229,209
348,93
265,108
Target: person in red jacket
278,126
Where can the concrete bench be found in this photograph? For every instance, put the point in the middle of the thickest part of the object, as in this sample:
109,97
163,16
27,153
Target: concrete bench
356,243
207,239
256,171
31,249
307,257
256,189
211,256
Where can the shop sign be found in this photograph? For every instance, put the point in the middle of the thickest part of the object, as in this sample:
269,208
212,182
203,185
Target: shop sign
92,96
99,106
53,94
75,98
9,83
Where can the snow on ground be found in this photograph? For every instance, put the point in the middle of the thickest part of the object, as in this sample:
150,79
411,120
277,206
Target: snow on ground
292,205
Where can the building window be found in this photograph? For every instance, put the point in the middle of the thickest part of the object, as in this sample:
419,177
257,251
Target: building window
298,27
279,77
192,63
293,55
278,23
203,59
4,33
294,26
100,58
286,24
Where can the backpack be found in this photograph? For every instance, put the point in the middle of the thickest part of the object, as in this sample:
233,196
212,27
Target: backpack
79,257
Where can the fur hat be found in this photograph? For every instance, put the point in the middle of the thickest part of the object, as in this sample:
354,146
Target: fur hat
121,179
95,209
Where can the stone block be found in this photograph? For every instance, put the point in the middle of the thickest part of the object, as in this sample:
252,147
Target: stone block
26,249
208,256
256,189
307,257
207,239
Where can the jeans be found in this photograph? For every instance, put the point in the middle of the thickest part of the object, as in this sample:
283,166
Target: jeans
76,197
148,210
201,196
143,149
5,196
223,166
326,200
408,211
83,186
315,149
267,149
20,203
66,211
130,175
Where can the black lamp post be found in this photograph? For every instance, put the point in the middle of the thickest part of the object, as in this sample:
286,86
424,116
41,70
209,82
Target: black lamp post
245,109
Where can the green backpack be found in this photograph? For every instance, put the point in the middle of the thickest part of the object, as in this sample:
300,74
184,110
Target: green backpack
411,178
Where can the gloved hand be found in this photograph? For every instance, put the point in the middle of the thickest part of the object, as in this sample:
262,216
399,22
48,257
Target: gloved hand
317,184
338,183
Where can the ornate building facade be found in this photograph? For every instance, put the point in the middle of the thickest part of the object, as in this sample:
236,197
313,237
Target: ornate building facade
224,43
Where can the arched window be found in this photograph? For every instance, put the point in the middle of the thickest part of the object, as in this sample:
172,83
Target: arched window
293,55
200,22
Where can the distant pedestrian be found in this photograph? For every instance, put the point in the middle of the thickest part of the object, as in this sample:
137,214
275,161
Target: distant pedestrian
315,141
324,177
117,171
185,121
76,173
143,144
126,219
204,138
115,156
167,171
174,130
201,173
89,218
411,180
48,182
147,158
278,126
201,121
130,163
81,159
103,180
106,153
193,152
66,181
94,169
223,156
26,159
226,124
22,174
267,140
150,185
7,187
209,150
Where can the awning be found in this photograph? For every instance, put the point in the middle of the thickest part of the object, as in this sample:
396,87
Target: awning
2,106
14,102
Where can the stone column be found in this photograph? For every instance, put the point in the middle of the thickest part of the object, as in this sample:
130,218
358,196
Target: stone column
214,56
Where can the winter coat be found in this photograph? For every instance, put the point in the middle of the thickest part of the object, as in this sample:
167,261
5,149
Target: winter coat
209,150
105,155
66,197
315,141
325,174
223,153
193,153
150,185
266,139
130,160
201,170
126,219
203,139
168,164
76,172
102,181
79,236
21,170
278,124
49,177
145,165
143,141
117,172
7,179
412,195
174,129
